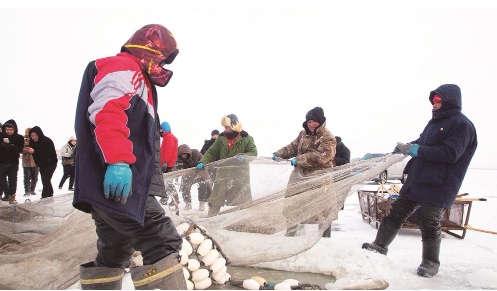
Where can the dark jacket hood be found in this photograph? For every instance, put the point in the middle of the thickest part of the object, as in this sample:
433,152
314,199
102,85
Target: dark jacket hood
38,131
11,123
451,100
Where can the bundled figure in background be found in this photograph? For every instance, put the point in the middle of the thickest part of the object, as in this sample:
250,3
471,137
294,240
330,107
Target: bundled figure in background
45,156
232,184
118,172
31,170
67,153
313,149
168,157
440,159
190,158
10,148
209,142
342,155
5,194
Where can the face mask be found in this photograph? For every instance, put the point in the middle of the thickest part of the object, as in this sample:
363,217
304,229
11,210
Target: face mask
155,47
159,75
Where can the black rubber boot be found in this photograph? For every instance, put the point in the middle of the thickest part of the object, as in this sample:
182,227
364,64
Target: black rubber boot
327,232
100,278
430,263
166,274
384,237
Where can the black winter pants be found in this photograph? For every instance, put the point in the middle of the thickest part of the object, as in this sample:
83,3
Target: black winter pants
429,216
8,178
118,236
68,173
30,178
46,173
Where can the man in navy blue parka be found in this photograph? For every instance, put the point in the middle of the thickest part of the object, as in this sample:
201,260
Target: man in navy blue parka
440,159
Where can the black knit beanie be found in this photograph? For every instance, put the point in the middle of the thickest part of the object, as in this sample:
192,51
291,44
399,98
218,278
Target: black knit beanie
316,114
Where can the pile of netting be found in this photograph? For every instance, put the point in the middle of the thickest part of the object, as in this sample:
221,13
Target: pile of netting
259,210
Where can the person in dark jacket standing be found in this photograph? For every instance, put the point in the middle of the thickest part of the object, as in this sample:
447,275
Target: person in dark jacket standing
11,145
190,158
440,159
208,143
45,156
342,155
118,169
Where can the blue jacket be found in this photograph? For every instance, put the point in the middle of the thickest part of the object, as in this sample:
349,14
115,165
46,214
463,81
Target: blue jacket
116,121
446,147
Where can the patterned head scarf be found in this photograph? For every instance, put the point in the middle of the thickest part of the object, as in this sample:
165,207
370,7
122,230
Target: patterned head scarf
155,46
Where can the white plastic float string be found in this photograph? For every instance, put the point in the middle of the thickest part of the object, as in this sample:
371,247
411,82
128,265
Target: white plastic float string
259,283
203,263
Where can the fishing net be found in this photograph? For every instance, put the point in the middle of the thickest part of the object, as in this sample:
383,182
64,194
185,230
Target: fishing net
259,210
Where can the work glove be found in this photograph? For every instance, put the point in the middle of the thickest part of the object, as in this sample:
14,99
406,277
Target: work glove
413,150
117,182
240,157
402,147
200,166
293,162
274,157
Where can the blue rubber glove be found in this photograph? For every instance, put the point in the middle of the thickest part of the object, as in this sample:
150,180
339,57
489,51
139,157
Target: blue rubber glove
117,182
240,157
293,162
200,166
413,150
274,157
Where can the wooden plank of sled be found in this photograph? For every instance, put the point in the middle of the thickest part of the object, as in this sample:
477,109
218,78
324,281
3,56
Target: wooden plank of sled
394,189
479,229
471,199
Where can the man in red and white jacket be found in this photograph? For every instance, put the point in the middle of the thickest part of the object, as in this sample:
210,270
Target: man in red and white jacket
117,163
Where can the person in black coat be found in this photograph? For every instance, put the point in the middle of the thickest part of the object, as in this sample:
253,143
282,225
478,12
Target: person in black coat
342,155
11,145
45,156
440,159
208,143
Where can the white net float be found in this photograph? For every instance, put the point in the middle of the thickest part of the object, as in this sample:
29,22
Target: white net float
193,265
251,284
204,247
211,256
186,247
204,284
218,264
195,238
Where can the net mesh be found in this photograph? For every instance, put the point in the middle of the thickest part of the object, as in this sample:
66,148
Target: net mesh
265,210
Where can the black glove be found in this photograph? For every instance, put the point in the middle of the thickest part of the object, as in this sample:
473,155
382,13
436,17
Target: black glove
169,169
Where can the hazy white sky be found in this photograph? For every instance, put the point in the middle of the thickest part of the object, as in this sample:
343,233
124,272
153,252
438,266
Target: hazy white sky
370,65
